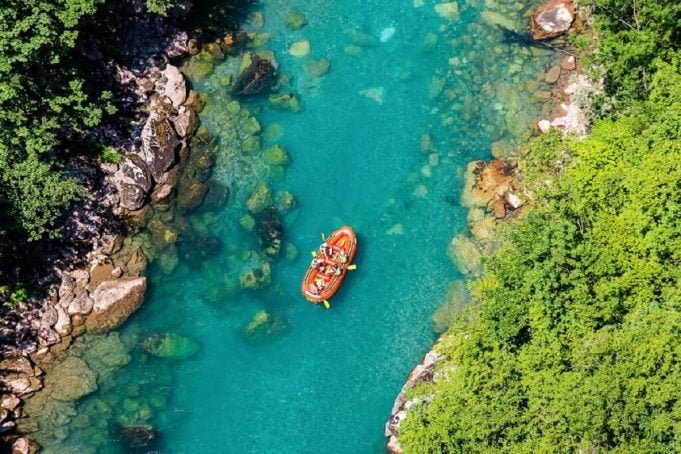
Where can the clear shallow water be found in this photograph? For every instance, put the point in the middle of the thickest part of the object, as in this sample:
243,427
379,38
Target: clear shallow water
381,145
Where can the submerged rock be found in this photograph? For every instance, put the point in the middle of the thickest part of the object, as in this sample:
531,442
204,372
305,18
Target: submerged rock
260,198
318,68
169,346
270,231
258,77
284,101
300,48
264,327
275,156
137,436
465,255
257,277
295,20
191,194
70,380
448,10
285,202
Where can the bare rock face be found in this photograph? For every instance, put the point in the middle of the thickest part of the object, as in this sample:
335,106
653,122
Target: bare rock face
174,88
159,144
115,301
552,19
424,372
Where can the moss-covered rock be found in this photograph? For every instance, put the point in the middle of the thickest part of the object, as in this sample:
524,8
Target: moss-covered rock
260,198
285,101
257,277
285,202
264,327
169,346
275,156
295,20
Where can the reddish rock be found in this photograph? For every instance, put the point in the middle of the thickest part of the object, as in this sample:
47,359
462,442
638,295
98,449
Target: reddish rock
552,19
484,180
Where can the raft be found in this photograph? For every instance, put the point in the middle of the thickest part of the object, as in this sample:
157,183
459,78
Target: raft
329,266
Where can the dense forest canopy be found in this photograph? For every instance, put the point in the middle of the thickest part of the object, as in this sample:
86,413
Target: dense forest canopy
574,340
48,102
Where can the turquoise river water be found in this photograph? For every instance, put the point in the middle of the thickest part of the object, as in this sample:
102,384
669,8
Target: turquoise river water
413,92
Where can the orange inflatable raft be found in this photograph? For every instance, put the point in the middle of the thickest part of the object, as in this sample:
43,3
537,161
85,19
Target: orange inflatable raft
329,266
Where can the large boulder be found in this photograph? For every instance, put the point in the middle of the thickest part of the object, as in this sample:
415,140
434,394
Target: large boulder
24,446
484,180
257,77
552,19
174,88
115,301
159,144
133,181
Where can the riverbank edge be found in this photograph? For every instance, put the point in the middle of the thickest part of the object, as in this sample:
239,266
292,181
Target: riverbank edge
492,190
97,292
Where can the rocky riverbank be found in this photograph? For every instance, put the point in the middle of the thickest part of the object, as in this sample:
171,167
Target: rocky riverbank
493,191
98,276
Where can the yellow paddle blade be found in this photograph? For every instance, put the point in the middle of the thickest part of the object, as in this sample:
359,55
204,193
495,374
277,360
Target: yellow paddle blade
314,253
326,304
323,237
352,267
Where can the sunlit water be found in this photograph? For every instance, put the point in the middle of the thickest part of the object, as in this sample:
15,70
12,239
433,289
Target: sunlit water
381,144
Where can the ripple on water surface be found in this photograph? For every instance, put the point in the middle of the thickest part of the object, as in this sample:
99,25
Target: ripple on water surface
392,99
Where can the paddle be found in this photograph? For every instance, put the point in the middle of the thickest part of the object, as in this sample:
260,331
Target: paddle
352,267
326,304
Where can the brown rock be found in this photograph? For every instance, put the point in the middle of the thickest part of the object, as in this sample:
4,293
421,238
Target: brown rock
137,263
552,19
163,193
9,402
81,304
499,208
17,366
193,46
115,301
483,180
111,244
23,386
553,75
569,63
70,380
100,272
24,446
191,194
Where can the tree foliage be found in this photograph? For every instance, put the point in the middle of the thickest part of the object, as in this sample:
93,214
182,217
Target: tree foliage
634,36
575,343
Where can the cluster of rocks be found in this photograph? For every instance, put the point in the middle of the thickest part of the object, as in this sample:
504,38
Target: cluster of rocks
97,290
